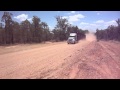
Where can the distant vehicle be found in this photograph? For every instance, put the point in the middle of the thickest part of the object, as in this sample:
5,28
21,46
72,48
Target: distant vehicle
72,38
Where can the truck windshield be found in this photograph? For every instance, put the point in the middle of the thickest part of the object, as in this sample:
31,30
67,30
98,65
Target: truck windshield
71,38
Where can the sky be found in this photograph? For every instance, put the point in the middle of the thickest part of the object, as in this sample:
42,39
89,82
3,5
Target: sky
90,20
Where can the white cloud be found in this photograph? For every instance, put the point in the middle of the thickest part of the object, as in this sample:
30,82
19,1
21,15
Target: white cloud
100,24
112,22
64,17
23,17
91,27
51,28
87,27
29,19
72,11
98,13
93,24
100,21
83,23
74,18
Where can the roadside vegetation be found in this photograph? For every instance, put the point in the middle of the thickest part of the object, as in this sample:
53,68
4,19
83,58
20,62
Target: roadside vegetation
12,32
111,33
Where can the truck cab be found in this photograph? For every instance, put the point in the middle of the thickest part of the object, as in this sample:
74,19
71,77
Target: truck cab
72,38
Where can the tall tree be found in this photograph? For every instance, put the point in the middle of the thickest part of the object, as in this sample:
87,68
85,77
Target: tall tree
25,31
45,31
16,32
61,27
118,22
8,27
37,33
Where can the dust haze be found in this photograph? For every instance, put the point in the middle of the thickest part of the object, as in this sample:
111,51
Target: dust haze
90,37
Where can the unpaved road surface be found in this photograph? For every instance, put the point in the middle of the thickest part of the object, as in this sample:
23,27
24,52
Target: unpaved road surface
86,59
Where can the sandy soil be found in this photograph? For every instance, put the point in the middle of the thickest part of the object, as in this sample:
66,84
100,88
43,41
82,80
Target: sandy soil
86,59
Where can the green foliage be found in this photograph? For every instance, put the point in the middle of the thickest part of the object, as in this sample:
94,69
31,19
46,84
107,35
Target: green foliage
35,31
111,33
8,27
63,29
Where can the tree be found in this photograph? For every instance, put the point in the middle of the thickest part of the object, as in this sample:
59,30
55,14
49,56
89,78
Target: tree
45,30
75,29
16,32
56,35
118,22
37,31
25,31
111,33
8,27
61,27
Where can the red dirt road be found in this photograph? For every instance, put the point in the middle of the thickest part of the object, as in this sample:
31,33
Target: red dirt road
98,60
86,59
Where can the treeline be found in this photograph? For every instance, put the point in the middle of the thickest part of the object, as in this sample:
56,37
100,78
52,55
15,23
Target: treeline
35,32
111,33
63,30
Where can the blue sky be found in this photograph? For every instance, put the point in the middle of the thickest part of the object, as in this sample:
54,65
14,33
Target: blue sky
90,20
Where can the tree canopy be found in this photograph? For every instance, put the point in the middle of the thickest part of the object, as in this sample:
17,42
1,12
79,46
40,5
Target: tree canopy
36,31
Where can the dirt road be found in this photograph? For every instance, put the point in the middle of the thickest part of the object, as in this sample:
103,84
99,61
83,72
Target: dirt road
86,59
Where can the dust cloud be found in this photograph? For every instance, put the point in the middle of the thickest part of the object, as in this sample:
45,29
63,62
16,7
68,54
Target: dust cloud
90,37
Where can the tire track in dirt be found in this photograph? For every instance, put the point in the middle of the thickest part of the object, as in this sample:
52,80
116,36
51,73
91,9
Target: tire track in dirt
35,63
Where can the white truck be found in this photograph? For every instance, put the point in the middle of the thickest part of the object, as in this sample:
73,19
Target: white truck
72,38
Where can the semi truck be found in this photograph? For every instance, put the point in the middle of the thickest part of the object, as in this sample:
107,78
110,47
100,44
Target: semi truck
72,39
